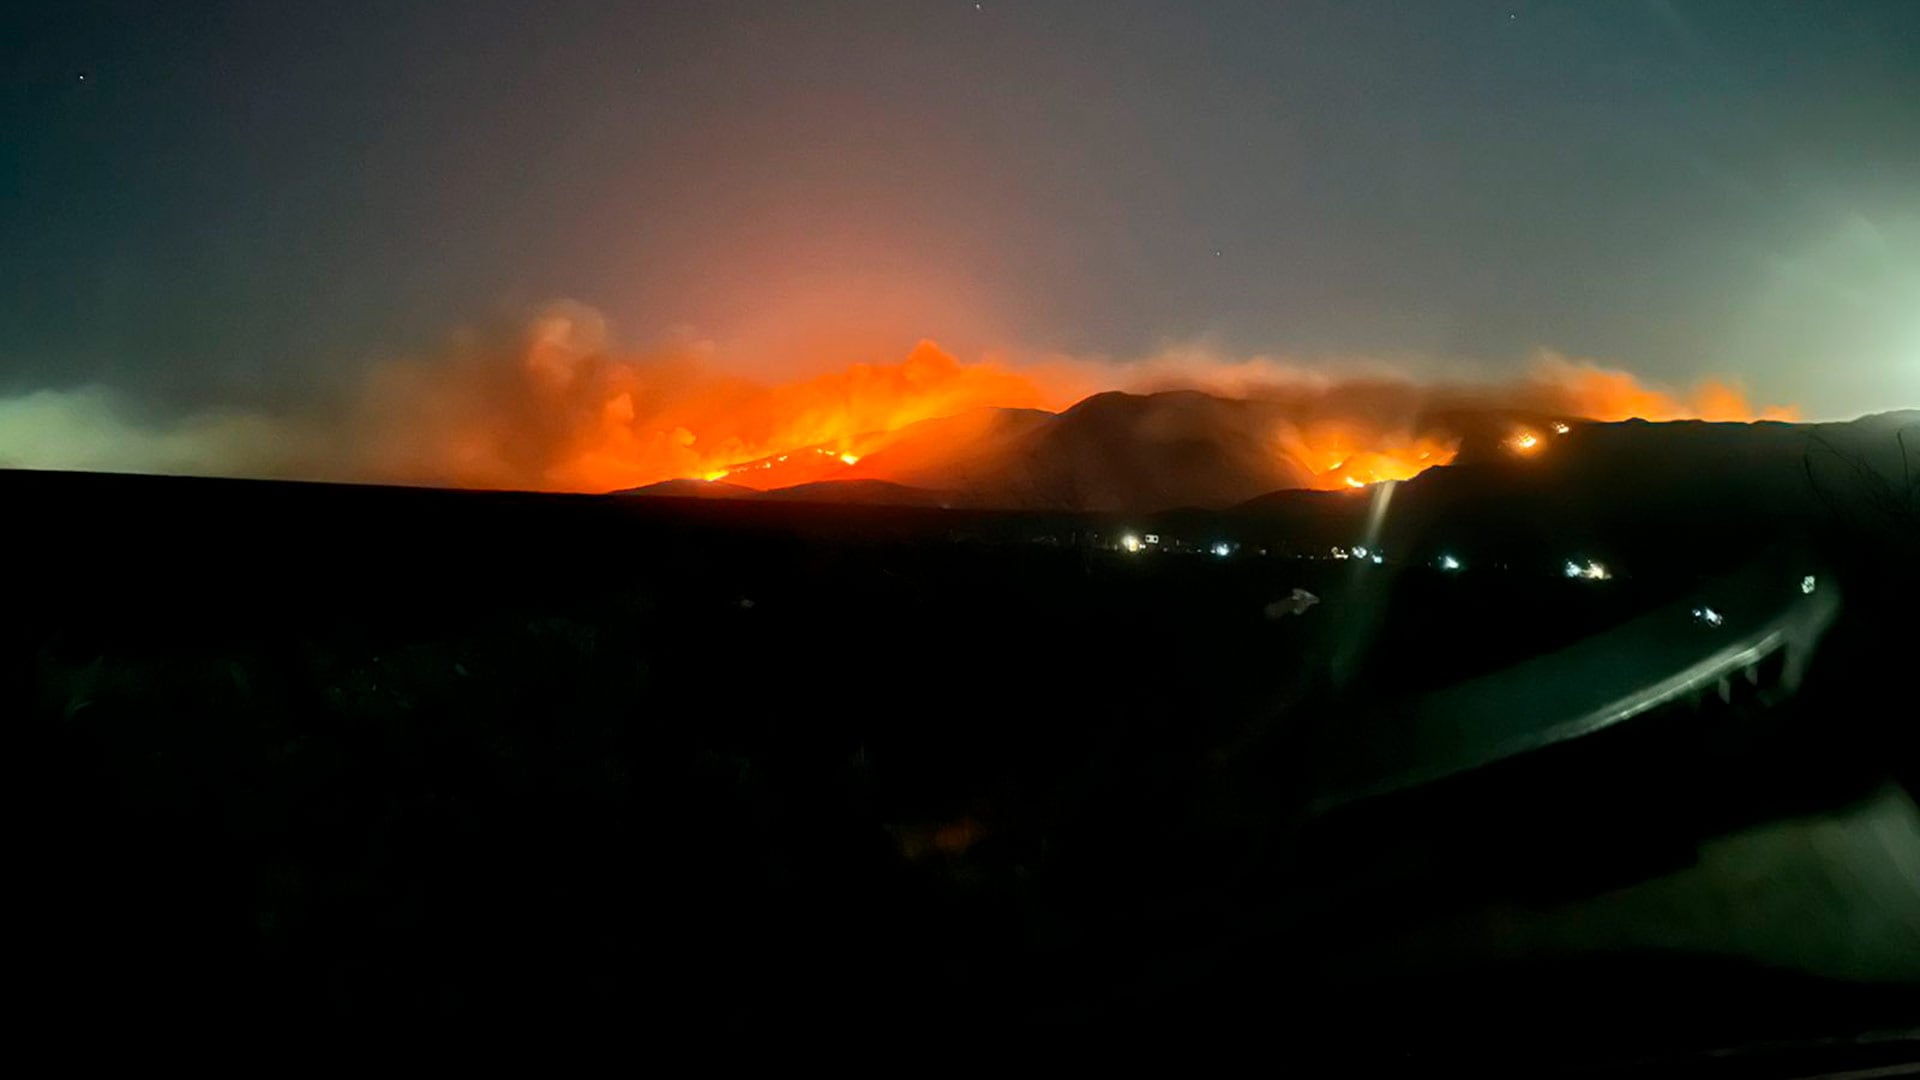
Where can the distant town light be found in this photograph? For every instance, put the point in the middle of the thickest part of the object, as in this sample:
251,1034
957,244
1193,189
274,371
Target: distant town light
1378,559
1448,562
1153,538
1223,549
1560,428
1339,553
1709,616
1130,542
1359,552
1806,585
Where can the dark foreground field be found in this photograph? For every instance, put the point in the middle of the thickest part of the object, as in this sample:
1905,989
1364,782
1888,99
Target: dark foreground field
334,758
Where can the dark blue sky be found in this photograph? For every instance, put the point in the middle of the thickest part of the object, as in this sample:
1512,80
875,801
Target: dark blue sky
243,204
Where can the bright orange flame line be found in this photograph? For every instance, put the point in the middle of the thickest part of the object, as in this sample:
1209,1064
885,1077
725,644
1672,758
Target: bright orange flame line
569,416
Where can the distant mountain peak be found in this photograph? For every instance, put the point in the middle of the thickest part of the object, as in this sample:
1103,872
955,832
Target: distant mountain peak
1135,453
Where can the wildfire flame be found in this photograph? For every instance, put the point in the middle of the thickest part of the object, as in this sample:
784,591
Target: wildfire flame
552,408
561,411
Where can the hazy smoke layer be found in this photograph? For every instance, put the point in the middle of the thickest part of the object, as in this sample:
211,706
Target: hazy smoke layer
554,407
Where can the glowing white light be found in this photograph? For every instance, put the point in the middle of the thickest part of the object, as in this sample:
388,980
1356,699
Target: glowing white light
1359,552
1223,549
1709,616
1560,428
1572,569
1130,542
1526,441
1377,560
1355,482
1448,562
1806,585
1339,553
1153,538
849,459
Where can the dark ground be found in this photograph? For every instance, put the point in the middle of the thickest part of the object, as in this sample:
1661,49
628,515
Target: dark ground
335,758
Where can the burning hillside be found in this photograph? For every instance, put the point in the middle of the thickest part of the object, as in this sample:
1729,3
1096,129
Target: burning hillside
561,411
554,408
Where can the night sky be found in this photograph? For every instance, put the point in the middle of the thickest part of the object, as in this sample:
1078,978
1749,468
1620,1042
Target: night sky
243,205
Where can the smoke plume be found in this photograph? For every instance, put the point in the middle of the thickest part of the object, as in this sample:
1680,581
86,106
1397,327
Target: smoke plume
555,407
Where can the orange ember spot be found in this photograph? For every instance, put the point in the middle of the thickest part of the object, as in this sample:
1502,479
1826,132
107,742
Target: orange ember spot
954,838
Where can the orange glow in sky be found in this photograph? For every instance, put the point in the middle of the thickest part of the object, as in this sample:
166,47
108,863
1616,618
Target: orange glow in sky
565,413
